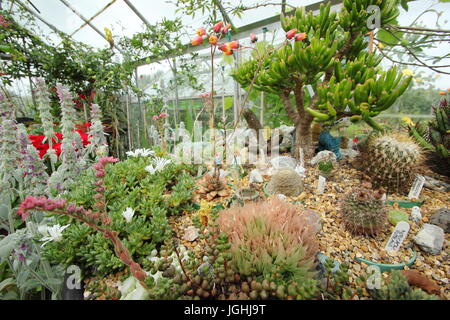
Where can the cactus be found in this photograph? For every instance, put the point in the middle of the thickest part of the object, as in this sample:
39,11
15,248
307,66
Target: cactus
346,79
435,136
391,160
326,168
364,212
287,182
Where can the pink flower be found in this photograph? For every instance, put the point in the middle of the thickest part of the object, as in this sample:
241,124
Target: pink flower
163,115
291,33
100,173
233,44
253,38
155,118
300,36
218,26
197,41
105,160
201,31
226,29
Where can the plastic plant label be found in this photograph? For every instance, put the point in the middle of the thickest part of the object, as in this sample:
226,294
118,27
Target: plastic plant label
384,197
302,158
310,90
398,236
321,184
416,187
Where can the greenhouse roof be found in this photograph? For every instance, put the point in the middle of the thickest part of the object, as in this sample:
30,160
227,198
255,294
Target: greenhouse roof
85,20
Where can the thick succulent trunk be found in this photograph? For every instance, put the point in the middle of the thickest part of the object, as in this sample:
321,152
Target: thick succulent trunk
303,138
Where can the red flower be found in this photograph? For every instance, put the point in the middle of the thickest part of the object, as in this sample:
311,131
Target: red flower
226,29
300,36
233,45
218,26
355,140
201,32
197,41
291,33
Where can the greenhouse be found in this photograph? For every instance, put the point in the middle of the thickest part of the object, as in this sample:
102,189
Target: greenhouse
224,150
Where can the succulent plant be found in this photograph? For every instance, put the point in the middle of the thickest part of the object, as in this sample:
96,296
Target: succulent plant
272,242
392,160
287,182
364,212
326,168
435,136
397,288
210,187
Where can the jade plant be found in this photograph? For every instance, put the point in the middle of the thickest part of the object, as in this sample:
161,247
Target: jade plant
324,62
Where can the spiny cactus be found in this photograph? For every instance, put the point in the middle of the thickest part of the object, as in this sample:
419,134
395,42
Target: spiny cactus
435,136
287,182
391,160
364,212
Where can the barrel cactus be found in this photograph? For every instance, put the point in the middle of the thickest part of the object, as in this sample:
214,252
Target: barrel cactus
391,161
364,212
287,182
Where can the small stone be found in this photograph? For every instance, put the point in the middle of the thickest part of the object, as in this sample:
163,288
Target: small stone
255,177
323,156
430,239
283,163
190,234
441,218
314,219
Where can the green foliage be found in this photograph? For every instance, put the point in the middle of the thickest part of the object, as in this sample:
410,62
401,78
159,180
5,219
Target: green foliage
128,185
326,167
435,136
336,285
397,288
332,59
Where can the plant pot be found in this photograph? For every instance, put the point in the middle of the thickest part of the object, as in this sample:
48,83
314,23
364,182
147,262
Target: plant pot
406,204
389,267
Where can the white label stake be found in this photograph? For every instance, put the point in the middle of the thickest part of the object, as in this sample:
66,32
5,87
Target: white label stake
398,236
416,187
321,184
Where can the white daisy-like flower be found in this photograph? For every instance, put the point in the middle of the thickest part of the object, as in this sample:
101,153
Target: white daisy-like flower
150,169
158,165
53,233
141,153
128,214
